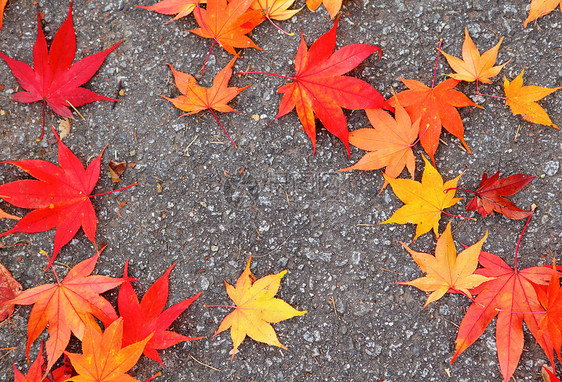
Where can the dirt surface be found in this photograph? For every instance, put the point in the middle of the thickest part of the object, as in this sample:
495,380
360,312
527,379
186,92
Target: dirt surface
207,206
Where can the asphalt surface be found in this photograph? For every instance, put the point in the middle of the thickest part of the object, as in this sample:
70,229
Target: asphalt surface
207,206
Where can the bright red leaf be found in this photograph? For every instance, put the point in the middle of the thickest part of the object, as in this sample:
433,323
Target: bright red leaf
550,298
149,317
9,288
37,371
53,79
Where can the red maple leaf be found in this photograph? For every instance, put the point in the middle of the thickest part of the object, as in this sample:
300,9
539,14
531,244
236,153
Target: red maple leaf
53,79
37,371
149,317
67,306
490,195
60,196
320,90
550,297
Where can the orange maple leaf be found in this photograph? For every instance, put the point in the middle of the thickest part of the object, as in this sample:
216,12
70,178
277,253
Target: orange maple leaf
550,297
390,143
2,6
67,306
474,67
180,8
447,272
540,8
103,359
522,100
436,108
423,202
332,6
228,23
255,309
196,98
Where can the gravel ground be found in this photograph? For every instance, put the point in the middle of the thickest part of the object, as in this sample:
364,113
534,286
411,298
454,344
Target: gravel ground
207,206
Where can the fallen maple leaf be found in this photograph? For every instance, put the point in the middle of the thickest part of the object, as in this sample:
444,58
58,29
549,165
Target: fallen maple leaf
255,309
53,79
149,317
5,215
490,195
103,358
319,88
436,108
474,67
423,202
512,297
67,306
228,23
550,298
180,8
332,6
389,142
540,8
9,288
276,10
2,6
196,98
522,100
447,272
37,370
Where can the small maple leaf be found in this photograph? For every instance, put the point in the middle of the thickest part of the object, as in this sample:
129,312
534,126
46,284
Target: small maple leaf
490,195
255,309
53,79
37,371
474,67
319,89
540,8
522,100
228,23
9,288
390,143
67,306
149,317
103,359
423,202
180,8
447,272
332,6
436,108
550,297
60,196
512,297
196,98
276,9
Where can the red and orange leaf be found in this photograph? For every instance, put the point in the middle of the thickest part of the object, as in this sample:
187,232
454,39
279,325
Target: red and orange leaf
149,317
228,23
319,89
180,8
436,108
490,195
548,375
9,288
37,371
60,196
540,8
447,272
474,67
103,358
389,143
255,309
510,295
332,6
550,298
67,307
53,79
523,100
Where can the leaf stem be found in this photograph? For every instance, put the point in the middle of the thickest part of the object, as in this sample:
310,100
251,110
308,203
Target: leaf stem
459,216
51,265
111,192
279,29
269,74
509,311
486,95
223,129
43,123
207,58
154,376
467,295
521,236
461,189
210,34
436,62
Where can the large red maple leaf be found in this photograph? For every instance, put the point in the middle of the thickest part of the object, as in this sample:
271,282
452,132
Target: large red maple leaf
53,79
149,317
320,90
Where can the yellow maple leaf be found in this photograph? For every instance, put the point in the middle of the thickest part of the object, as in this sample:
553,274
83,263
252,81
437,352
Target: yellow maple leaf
332,6
275,9
446,271
473,66
423,202
540,8
255,309
522,100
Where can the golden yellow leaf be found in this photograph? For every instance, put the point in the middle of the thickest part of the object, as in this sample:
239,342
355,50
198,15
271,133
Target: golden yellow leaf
540,8
332,6
255,309
522,100
446,271
275,9
473,66
423,202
